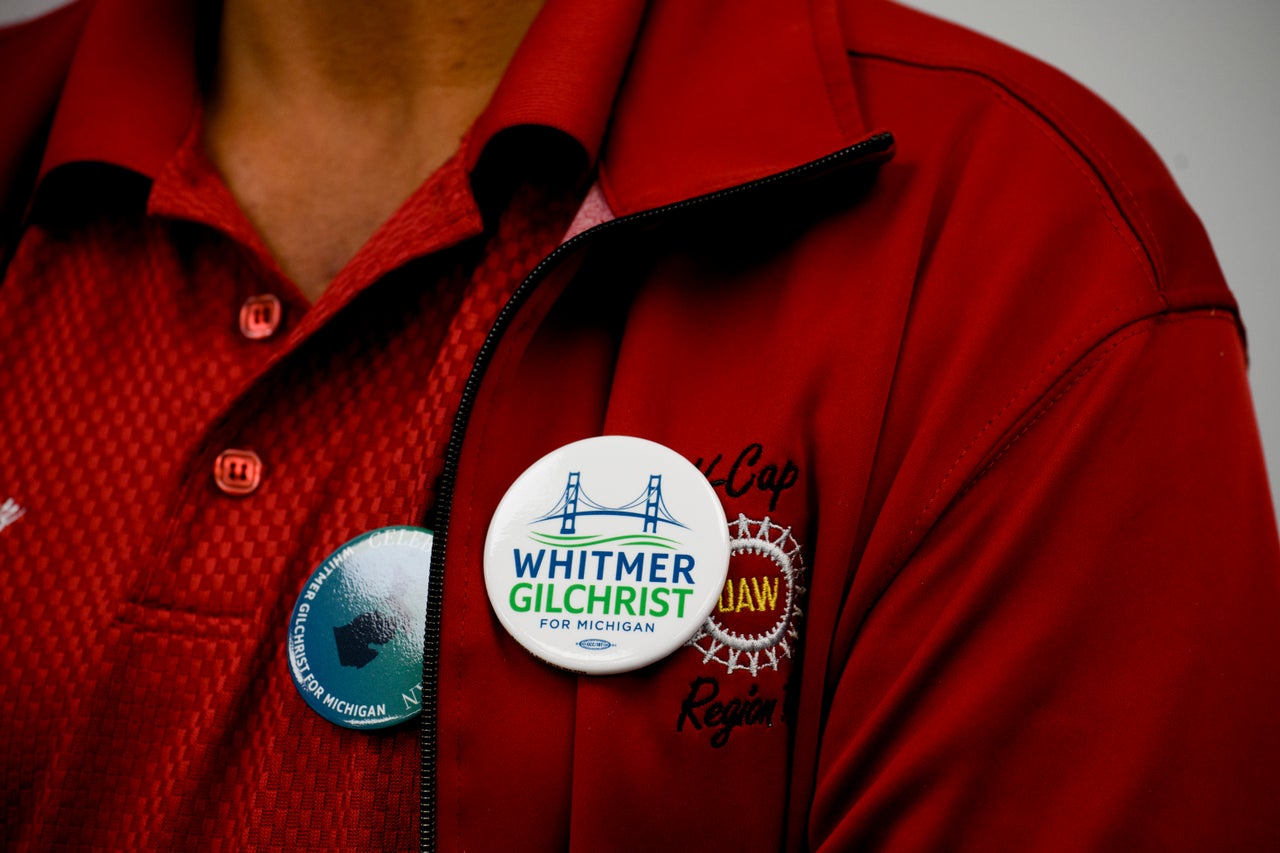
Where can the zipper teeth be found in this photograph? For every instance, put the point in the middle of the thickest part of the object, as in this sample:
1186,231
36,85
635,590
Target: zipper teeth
876,143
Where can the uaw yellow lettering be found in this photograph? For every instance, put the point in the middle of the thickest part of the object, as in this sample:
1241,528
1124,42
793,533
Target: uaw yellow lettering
601,599
758,596
570,564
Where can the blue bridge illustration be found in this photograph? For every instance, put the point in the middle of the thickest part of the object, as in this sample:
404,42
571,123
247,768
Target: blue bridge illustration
574,503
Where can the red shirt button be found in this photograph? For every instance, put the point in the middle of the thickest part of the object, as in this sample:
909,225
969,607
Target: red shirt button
237,472
260,316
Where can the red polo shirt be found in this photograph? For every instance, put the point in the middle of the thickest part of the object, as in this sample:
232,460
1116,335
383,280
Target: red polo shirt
1002,377
145,334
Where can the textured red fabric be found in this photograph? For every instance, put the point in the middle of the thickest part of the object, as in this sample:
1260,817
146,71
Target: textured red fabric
148,608
989,392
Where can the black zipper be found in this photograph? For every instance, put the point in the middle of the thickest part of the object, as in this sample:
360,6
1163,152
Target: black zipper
875,144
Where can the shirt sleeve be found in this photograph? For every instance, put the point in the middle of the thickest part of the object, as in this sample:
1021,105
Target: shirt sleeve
1084,652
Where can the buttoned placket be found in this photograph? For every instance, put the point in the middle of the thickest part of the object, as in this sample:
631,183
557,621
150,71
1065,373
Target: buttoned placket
271,323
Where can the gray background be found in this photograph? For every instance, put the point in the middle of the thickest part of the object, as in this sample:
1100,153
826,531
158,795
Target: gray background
1201,80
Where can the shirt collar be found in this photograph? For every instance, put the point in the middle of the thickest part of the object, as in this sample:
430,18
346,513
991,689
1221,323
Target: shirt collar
132,89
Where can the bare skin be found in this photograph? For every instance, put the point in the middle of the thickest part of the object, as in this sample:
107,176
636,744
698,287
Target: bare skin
324,116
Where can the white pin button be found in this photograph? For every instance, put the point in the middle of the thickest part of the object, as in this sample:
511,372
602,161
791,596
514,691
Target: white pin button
606,555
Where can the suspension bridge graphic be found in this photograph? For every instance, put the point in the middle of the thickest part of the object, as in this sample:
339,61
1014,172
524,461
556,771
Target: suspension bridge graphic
648,508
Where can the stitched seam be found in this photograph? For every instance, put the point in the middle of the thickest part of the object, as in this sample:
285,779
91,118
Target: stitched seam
901,556
1116,180
1070,149
1154,323
1018,395
825,22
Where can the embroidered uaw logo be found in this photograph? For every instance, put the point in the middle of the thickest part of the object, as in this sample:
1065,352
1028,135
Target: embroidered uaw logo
754,624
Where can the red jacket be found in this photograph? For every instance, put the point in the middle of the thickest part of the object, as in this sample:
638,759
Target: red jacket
981,378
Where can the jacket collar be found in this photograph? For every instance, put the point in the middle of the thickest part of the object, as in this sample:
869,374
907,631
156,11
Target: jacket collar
723,94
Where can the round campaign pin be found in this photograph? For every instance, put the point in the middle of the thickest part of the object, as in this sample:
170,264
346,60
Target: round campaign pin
606,555
355,638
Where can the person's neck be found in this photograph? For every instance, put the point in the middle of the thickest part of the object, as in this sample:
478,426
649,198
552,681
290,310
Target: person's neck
324,116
